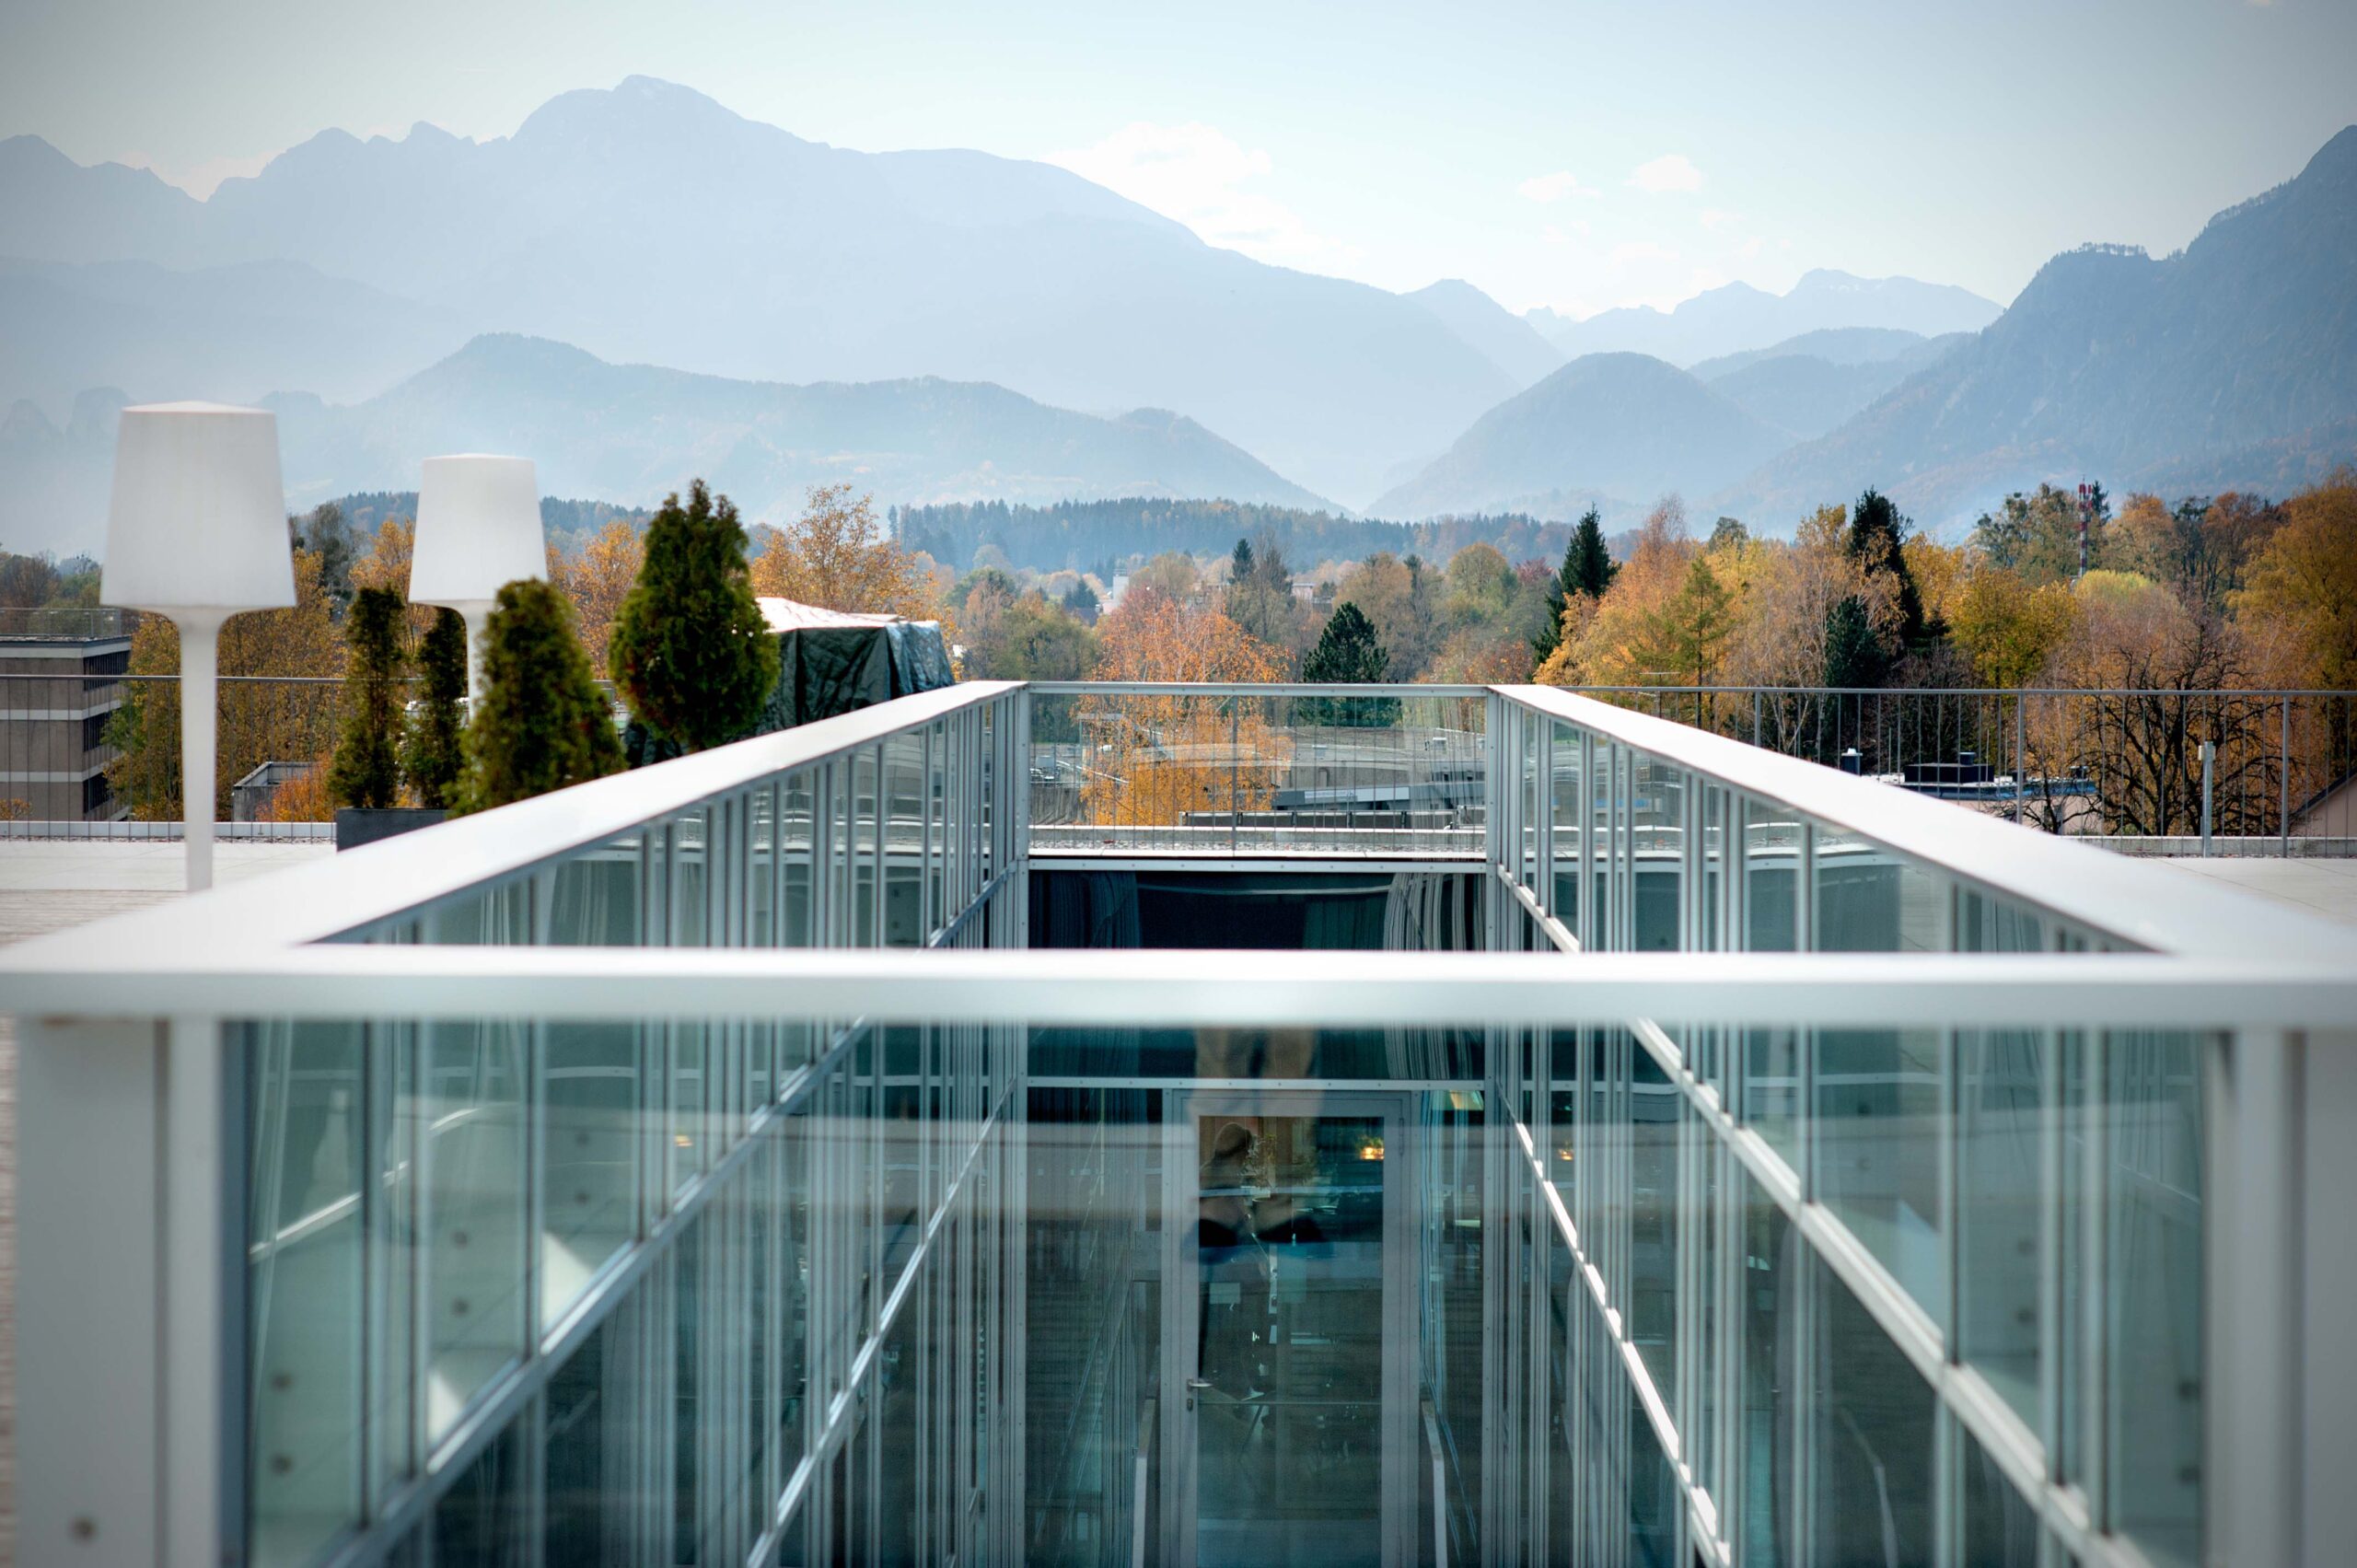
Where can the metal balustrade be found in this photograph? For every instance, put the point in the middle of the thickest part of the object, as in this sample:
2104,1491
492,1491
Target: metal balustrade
665,1169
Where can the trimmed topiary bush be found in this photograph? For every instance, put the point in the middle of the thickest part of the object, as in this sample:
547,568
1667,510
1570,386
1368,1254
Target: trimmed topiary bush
366,772
434,756
541,722
690,653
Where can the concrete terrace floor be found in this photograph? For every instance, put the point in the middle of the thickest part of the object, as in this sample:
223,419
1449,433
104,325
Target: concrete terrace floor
48,886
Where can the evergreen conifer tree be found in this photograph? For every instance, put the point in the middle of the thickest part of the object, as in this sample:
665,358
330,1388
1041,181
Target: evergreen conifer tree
366,770
434,753
541,722
1878,534
1855,657
691,652
1348,652
1587,569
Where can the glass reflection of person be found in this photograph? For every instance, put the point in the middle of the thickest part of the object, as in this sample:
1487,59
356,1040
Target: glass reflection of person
1234,1273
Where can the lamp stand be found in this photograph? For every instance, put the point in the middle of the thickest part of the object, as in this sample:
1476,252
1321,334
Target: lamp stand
199,668
477,617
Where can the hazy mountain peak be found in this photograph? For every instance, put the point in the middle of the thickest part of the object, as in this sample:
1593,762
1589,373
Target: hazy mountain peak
636,106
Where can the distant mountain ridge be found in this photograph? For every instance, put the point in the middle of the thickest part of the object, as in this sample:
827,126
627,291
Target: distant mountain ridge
1737,317
1618,425
749,252
628,434
2234,359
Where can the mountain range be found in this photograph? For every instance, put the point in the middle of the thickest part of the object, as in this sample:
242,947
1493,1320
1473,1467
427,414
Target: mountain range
648,224
1737,315
2234,361
631,433
924,323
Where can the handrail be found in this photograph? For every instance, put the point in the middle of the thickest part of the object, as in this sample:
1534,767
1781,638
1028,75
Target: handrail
314,901
2137,902
1188,987
1246,689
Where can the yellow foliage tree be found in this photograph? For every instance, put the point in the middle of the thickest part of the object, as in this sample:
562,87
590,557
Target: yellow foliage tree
2299,601
1156,759
597,581
2009,629
837,556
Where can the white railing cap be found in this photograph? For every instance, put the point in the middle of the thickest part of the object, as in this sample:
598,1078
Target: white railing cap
2135,901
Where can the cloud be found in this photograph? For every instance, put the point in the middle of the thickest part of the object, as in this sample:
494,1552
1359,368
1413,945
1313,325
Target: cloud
1198,174
1554,187
1641,251
1751,247
1713,217
1672,171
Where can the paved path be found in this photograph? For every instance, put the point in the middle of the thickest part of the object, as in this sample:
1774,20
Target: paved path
48,886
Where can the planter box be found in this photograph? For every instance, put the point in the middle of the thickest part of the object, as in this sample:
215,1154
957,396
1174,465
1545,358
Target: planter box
354,827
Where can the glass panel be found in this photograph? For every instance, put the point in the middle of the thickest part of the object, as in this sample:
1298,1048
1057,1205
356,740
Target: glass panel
2153,1282
1999,1526
1289,1339
1763,1528
1564,803
1659,820
904,805
1871,1436
1653,1105
481,1520
589,1149
1771,851
476,1092
1877,1132
2001,1149
1872,899
303,1098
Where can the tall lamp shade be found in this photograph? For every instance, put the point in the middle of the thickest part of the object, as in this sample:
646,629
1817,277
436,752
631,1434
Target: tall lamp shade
196,530
478,529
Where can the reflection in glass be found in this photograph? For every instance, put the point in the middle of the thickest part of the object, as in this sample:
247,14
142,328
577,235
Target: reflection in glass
1870,1423
1289,1339
1876,1127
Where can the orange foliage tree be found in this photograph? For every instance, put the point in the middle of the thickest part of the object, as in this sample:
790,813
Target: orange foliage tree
1159,760
838,556
597,581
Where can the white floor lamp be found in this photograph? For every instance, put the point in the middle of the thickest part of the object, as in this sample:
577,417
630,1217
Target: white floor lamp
478,530
197,531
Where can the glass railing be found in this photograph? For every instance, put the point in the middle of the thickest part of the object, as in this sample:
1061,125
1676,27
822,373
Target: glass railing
700,1166
1172,770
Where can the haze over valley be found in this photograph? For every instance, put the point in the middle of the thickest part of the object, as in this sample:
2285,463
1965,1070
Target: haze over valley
946,326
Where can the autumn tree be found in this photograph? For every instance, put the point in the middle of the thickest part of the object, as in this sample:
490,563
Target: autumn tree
2037,534
1259,594
1617,645
323,531
596,580
1397,597
275,721
2301,596
1685,635
837,556
691,652
1155,760
2009,629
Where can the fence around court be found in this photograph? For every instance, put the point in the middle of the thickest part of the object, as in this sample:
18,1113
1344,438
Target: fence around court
1336,770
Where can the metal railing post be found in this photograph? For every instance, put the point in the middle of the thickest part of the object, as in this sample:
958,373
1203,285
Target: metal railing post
2209,768
2284,779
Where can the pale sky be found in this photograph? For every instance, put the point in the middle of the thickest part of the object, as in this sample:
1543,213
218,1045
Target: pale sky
1577,155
